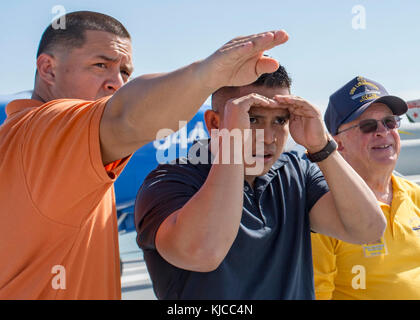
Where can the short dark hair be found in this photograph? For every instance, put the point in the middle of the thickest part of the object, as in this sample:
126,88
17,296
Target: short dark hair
73,35
277,79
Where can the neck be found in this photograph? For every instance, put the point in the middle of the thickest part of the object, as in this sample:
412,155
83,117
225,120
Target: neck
381,187
36,96
250,180
377,177
41,92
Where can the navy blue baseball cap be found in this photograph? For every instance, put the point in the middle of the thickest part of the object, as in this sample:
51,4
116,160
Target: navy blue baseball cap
350,101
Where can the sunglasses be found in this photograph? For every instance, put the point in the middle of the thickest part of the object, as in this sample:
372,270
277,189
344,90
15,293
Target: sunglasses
371,125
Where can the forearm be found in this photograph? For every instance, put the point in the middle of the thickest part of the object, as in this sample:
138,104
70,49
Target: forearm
355,202
147,104
159,101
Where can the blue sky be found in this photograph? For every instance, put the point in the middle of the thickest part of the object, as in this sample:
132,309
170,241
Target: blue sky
323,53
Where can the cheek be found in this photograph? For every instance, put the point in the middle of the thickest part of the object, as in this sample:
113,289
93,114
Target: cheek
82,87
281,142
283,133
89,82
362,143
397,140
74,79
354,146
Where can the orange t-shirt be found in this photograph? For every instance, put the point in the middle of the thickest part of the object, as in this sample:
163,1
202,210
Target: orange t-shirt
58,230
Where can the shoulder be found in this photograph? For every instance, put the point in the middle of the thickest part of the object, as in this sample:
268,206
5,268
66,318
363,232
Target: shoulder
412,189
180,171
193,169
294,169
72,105
33,115
407,185
295,162
167,188
57,120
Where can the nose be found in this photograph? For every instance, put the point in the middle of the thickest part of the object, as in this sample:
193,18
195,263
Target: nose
381,129
114,82
270,135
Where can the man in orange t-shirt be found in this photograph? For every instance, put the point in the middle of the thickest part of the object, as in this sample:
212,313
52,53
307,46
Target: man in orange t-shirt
61,151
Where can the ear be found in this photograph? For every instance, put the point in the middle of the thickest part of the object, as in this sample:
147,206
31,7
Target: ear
45,65
212,119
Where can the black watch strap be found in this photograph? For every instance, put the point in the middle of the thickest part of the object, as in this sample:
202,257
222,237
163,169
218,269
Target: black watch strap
324,153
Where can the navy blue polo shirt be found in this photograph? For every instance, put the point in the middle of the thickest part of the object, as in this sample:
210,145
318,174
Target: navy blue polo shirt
271,256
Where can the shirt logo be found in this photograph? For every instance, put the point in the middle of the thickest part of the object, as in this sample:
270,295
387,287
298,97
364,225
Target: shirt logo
375,249
415,225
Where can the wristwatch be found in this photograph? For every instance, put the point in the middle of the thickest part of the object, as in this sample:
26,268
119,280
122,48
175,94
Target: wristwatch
330,147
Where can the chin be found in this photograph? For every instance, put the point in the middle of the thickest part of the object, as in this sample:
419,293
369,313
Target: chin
387,162
254,171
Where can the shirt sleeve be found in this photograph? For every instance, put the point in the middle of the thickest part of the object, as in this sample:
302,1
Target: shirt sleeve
325,268
316,185
62,162
165,190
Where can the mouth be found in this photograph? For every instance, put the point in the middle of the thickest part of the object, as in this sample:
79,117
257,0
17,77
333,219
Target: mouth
267,156
382,147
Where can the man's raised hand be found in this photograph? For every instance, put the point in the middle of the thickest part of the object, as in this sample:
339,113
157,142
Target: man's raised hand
305,123
236,112
240,61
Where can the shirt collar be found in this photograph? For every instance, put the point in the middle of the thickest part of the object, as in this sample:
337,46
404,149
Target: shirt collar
399,195
261,181
396,185
397,189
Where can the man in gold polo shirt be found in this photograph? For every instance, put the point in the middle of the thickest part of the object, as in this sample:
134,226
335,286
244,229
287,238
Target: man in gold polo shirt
364,121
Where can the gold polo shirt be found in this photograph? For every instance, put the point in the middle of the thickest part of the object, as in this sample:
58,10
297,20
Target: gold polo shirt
388,269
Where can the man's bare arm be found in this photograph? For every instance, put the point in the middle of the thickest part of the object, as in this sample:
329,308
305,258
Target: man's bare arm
138,110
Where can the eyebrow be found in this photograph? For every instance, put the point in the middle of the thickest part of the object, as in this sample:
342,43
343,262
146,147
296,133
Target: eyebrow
128,67
106,58
259,116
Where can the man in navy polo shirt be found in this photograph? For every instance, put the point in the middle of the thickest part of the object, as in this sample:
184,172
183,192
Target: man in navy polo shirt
221,231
